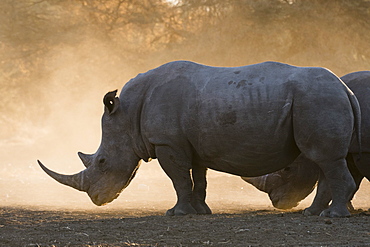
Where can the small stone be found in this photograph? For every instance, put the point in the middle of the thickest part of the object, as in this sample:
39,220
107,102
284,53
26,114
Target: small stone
328,221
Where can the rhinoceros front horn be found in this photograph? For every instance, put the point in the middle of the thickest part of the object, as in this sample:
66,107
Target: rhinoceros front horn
75,181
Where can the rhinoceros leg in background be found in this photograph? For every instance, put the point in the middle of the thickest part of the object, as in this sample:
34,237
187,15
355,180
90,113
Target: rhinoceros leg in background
360,164
353,164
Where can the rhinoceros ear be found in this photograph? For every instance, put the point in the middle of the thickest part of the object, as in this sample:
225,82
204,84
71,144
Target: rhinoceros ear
111,102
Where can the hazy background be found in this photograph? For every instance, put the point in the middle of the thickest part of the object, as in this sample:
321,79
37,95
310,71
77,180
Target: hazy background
59,57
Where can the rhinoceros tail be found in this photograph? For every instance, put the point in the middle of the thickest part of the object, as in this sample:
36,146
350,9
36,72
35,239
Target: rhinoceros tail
357,115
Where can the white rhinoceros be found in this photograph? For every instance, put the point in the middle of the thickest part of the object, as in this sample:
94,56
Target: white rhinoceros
247,121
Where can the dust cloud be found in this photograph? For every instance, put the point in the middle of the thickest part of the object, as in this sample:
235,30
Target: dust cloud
78,79
54,77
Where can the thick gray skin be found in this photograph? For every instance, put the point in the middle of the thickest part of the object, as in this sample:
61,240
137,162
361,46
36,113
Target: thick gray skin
246,121
287,187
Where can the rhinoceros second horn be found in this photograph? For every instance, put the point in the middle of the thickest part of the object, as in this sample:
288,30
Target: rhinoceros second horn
85,158
258,182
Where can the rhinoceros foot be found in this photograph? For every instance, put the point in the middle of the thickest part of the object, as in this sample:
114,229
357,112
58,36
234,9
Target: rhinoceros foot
181,209
201,207
310,211
335,212
350,207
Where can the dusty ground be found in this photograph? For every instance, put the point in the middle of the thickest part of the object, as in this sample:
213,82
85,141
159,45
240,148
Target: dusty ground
37,211
232,227
44,213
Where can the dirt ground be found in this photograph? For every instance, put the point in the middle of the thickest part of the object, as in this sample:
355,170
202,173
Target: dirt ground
44,213
37,211
227,227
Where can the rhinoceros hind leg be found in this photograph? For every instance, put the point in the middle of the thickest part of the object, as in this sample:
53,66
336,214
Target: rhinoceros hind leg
342,186
324,139
322,198
329,189
335,213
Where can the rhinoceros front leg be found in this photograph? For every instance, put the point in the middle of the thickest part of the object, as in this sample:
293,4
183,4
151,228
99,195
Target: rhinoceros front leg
177,167
199,189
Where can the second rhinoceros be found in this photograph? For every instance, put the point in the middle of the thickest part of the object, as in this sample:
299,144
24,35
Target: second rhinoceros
287,187
246,121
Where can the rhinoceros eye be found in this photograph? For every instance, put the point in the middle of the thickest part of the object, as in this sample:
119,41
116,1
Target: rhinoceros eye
102,165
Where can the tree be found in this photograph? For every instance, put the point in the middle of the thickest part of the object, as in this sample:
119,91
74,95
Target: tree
48,47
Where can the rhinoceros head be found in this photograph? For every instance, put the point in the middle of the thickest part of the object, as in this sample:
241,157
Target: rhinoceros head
113,166
287,187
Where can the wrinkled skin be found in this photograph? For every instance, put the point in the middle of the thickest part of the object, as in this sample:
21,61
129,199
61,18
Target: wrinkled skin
247,121
287,187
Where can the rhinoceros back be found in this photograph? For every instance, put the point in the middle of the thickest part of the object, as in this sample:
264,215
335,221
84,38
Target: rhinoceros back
233,118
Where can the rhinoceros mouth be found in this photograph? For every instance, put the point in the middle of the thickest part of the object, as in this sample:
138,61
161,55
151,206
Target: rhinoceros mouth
282,203
101,199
